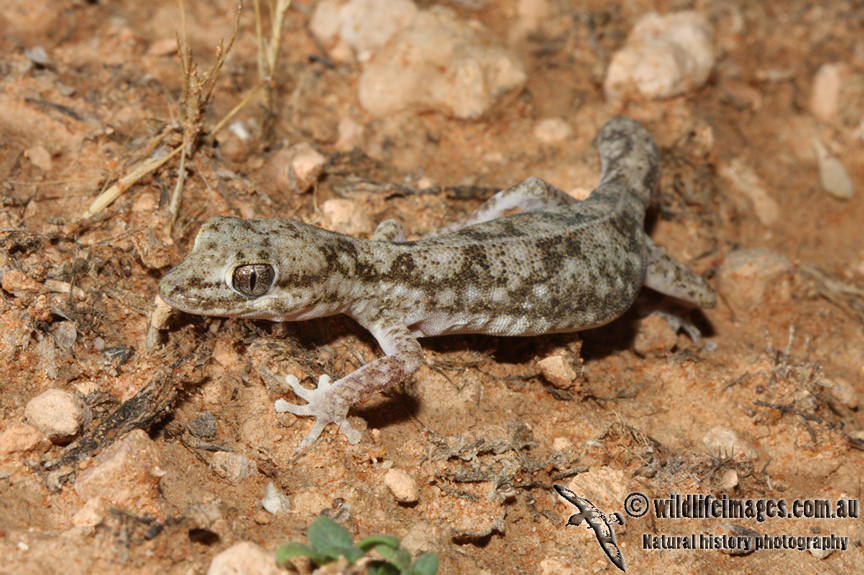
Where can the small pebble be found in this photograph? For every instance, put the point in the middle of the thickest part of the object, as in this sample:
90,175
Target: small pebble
734,534
59,414
820,553
22,438
747,183
244,559
295,168
40,157
350,134
833,177
274,500
203,425
19,284
232,467
92,514
825,94
655,337
66,335
562,444
552,130
729,480
306,165
402,485
725,443
558,371
37,55
346,217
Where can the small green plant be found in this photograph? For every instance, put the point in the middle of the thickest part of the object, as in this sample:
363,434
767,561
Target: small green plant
328,541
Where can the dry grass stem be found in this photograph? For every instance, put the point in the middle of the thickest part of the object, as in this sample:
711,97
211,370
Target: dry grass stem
268,52
194,100
105,198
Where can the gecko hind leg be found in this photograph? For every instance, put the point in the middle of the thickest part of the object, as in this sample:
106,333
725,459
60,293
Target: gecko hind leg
529,194
671,278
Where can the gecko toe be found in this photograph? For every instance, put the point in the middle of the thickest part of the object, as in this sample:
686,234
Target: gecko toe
352,435
313,435
308,394
283,406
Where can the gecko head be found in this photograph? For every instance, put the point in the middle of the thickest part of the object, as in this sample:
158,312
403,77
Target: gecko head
268,268
629,156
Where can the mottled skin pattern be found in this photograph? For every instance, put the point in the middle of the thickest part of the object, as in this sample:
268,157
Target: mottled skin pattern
560,265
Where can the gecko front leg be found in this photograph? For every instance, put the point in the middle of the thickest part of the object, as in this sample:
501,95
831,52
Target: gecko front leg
329,403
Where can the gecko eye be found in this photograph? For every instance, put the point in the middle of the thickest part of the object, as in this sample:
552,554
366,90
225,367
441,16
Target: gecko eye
252,280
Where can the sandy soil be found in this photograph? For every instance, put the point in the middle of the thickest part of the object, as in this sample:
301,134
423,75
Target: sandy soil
482,433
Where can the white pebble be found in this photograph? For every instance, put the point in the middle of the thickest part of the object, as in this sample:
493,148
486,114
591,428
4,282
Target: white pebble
557,371
66,335
306,165
552,130
725,443
747,183
664,56
94,511
59,414
244,559
22,438
402,485
820,553
274,500
346,217
833,177
40,157
350,134
825,94
729,480
440,63
295,168
232,467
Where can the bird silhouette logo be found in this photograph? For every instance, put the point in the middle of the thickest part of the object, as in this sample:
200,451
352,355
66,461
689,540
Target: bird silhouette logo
600,522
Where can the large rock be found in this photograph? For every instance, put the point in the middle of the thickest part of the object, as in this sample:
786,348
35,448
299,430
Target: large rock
440,63
664,56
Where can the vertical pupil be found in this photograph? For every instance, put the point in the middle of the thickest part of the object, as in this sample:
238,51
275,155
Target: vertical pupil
253,279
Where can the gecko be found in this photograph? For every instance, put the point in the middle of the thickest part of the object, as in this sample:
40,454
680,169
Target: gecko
558,265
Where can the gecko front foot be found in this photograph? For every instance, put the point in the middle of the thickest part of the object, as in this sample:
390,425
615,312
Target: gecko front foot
323,406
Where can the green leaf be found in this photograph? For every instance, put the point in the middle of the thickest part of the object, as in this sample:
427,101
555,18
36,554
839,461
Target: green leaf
296,549
400,558
325,534
381,568
426,564
370,542
352,554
